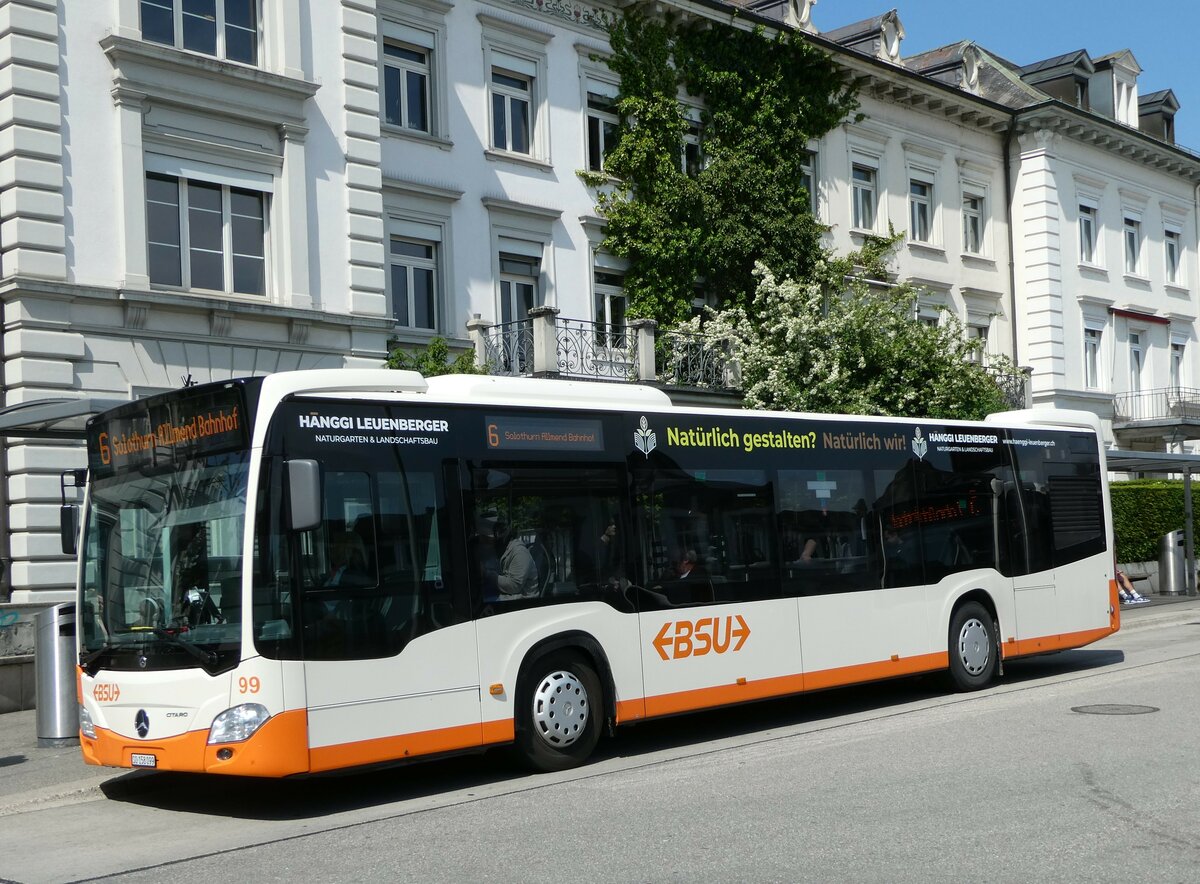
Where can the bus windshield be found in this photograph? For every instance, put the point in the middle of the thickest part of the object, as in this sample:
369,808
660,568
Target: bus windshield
162,566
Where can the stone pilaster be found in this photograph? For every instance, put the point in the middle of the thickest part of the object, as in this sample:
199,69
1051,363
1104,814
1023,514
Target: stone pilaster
32,233
364,178
1039,259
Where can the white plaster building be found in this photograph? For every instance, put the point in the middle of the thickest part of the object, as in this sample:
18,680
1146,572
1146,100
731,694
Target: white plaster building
274,185
1104,217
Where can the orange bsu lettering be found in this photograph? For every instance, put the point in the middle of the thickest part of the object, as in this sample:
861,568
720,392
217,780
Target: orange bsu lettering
106,692
685,638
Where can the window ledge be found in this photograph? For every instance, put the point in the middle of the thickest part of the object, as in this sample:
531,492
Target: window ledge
1093,270
1138,280
524,159
979,259
165,296
916,245
863,233
609,179
213,294
1177,289
189,79
416,135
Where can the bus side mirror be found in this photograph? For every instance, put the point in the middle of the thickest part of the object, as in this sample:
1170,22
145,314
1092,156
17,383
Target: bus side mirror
304,494
68,528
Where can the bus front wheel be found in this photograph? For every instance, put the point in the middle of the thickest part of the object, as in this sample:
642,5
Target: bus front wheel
973,647
560,709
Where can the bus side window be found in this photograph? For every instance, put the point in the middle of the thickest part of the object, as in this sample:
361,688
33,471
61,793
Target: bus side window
707,537
543,534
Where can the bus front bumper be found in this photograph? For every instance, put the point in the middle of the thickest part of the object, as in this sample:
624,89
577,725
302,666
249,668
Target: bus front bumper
278,749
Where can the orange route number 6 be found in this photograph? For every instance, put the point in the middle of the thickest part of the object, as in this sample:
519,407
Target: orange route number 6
249,685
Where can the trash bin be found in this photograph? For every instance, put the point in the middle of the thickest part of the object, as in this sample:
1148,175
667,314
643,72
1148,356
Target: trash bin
1171,570
54,676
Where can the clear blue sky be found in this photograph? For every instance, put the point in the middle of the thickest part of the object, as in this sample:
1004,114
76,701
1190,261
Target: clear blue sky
1162,34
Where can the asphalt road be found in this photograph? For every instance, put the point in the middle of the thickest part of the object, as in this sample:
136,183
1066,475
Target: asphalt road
892,783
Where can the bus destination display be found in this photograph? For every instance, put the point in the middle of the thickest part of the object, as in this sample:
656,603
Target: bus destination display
186,426
512,433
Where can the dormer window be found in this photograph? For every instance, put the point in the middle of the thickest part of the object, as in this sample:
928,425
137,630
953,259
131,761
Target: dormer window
1081,94
1125,109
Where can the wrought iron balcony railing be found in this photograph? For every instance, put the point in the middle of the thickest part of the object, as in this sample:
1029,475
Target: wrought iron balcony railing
697,360
1014,386
1163,404
508,348
596,350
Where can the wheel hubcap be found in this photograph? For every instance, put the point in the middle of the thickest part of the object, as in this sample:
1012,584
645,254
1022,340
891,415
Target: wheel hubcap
974,646
560,709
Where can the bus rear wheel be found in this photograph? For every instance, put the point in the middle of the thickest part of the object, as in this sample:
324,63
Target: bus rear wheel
560,709
973,647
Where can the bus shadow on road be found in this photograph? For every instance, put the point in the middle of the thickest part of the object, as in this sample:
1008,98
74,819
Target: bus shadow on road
312,797
1060,663
329,794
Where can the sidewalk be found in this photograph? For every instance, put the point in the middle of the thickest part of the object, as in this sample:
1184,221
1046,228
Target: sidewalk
32,776
1161,609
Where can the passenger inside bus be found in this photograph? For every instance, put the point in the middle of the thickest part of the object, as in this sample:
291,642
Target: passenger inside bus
507,574
347,561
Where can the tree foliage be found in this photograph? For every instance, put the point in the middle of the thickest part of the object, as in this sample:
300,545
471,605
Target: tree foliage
763,99
836,343
434,359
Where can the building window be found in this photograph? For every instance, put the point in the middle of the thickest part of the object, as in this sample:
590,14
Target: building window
972,215
1081,94
863,186
601,125
691,160
979,332
1087,234
406,86
1171,243
1178,349
512,111
206,236
610,307
928,315
223,28
808,177
1137,361
1091,358
518,287
1133,245
413,265
920,210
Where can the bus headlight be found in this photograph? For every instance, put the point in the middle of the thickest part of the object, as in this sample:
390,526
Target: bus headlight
86,726
237,724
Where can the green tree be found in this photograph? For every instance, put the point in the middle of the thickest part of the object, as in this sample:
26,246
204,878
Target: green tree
835,343
434,359
764,98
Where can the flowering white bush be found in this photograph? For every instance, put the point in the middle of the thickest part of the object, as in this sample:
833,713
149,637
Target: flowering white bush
806,346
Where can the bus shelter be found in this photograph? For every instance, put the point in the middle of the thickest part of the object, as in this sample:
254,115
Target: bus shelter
49,419
1166,462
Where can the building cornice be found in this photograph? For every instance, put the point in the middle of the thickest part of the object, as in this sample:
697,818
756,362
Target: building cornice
15,287
1083,127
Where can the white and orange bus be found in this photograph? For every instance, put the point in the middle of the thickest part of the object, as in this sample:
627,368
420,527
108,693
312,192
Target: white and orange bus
325,569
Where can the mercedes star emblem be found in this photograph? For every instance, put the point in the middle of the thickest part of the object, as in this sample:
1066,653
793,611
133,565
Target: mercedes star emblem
142,723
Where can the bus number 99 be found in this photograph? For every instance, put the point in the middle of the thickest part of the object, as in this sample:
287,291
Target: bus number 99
249,685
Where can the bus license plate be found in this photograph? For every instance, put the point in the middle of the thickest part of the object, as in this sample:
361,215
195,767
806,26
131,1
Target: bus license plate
143,760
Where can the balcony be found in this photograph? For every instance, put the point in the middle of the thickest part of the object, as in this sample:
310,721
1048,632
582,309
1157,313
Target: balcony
690,366
1168,413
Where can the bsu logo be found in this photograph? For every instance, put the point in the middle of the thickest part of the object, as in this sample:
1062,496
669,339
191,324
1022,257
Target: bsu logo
686,638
